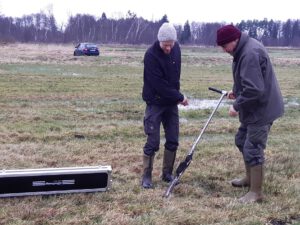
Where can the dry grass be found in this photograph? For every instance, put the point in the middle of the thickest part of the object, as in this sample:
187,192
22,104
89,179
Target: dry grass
47,97
63,54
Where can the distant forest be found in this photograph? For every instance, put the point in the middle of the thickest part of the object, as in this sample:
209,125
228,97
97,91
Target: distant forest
42,28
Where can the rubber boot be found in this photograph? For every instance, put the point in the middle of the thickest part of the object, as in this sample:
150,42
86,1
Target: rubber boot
242,182
168,164
147,168
256,181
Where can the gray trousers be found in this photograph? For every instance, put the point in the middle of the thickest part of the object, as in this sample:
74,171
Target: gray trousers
251,140
154,117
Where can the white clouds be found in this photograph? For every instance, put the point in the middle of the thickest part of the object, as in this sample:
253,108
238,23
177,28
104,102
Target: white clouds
192,10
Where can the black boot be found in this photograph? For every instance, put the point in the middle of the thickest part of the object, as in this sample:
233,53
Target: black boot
147,174
168,163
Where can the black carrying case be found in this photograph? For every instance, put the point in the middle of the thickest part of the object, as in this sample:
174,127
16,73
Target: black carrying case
54,181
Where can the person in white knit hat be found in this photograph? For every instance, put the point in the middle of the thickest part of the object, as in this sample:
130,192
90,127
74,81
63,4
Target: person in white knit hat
161,92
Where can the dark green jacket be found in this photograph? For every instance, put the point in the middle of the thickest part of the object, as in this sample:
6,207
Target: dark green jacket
258,97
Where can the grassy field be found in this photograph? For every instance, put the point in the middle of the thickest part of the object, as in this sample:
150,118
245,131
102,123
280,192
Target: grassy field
48,98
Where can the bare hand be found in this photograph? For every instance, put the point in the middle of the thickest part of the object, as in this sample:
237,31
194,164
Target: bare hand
230,95
185,102
232,111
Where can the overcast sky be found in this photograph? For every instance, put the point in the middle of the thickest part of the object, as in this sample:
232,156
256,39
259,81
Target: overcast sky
178,11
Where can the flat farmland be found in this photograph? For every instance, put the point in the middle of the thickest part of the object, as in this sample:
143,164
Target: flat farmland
57,110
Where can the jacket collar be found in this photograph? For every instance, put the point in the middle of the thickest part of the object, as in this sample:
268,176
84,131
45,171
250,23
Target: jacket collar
243,39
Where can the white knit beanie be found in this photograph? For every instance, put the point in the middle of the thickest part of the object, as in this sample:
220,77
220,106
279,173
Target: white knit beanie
167,32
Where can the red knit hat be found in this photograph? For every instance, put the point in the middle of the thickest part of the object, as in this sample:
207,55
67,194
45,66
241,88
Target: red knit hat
227,34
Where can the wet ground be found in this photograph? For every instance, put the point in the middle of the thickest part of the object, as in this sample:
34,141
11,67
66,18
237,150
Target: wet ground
195,104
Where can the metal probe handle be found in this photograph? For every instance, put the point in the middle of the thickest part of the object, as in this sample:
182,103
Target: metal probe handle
218,91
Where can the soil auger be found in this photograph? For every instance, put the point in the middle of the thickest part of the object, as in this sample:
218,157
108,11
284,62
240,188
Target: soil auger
185,164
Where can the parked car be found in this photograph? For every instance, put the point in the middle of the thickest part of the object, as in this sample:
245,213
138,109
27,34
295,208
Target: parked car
86,49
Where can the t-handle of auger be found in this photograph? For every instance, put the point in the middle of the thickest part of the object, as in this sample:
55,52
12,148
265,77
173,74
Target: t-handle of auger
218,91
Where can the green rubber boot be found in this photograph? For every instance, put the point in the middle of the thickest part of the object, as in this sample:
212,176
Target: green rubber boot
147,171
168,164
256,180
242,182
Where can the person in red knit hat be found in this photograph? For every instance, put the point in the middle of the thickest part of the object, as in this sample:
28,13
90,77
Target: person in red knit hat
257,102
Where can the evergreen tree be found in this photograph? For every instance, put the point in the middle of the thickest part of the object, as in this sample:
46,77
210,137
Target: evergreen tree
296,34
287,33
185,36
164,19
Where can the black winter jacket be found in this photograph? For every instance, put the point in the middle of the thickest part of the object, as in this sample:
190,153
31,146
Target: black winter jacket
258,97
162,76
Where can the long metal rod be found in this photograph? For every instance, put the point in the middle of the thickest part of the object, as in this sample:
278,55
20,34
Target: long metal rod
207,122
191,152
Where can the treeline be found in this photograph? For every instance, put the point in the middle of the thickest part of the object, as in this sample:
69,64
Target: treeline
131,29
